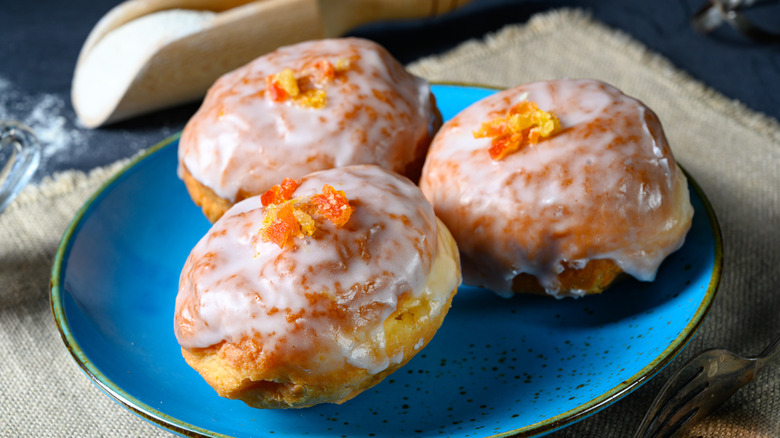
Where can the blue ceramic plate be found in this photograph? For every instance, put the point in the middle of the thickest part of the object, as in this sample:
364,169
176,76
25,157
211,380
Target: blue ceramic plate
497,367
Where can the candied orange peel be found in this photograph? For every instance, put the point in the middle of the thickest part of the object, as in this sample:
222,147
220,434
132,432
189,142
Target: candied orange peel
523,124
281,221
280,192
298,217
305,86
334,205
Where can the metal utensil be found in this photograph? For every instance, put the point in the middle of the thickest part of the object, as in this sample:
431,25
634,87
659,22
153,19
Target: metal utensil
716,12
703,384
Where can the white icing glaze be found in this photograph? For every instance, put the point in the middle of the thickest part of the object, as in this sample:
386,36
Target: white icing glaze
240,141
605,187
327,294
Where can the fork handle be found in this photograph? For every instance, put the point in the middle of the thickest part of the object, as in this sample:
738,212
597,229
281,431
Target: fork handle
770,355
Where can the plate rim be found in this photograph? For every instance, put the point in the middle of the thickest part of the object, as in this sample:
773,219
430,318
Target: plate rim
106,385
162,420
669,353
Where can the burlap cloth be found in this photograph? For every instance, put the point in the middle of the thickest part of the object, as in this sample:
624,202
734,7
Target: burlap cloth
732,152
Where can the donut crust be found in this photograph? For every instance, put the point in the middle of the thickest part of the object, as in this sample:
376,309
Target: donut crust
594,278
212,205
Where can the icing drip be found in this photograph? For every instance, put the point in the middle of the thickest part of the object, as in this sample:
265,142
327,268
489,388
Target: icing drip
605,186
328,294
242,141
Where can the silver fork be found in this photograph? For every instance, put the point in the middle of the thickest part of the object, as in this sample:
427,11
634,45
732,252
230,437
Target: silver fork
703,384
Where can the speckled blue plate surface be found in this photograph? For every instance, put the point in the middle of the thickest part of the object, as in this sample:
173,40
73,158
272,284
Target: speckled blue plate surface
497,367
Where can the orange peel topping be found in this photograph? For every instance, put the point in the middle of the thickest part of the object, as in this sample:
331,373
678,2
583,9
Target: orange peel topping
312,99
324,71
304,86
285,218
280,192
280,223
282,85
334,205
522,125
343,64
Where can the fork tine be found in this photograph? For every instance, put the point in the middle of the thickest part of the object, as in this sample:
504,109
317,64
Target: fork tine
683,409
700,386
689,382
675,427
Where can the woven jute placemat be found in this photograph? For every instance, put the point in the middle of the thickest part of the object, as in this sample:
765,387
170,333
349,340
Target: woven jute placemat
732,152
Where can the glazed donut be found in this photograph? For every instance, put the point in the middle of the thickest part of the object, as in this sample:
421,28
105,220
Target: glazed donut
557,187
326,311
302,108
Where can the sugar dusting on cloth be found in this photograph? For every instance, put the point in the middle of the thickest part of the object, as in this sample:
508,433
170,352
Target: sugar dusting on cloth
46,115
